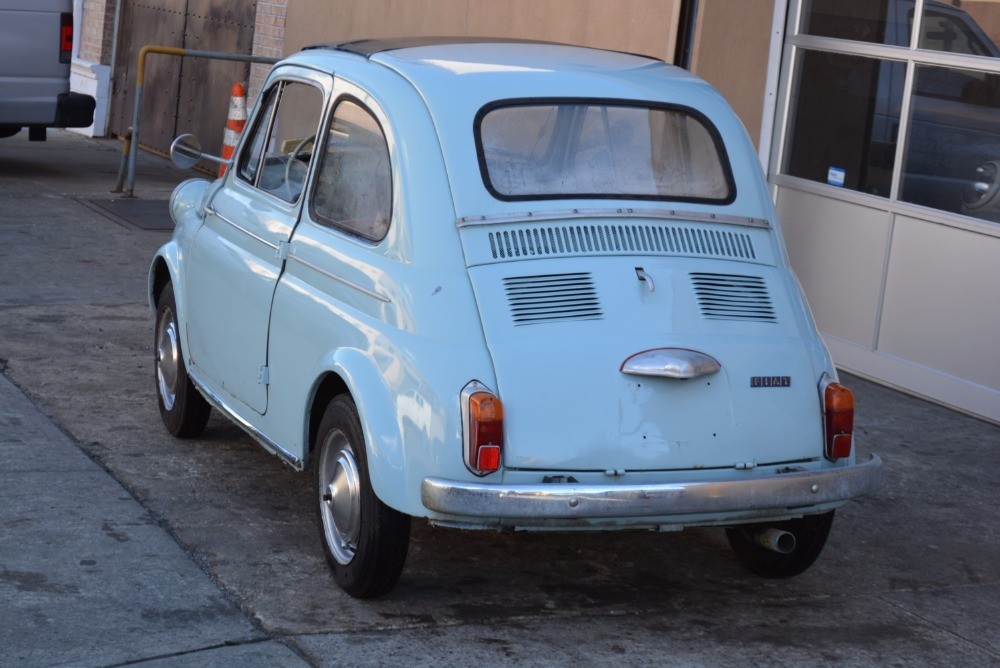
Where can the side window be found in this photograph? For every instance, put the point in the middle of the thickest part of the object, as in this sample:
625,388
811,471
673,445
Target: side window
354,186
282,144
250,160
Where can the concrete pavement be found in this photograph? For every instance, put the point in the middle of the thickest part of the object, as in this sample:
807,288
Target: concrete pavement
88,575
221,536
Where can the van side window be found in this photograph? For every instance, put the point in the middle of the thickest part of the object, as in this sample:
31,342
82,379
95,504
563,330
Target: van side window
281,146
354,186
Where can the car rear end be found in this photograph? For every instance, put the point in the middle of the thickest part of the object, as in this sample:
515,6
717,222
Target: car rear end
655,363
650,371
36,44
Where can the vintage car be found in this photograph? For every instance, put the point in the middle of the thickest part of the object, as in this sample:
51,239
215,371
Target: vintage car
504,285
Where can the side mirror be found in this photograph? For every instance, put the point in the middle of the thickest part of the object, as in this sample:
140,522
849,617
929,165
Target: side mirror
185,152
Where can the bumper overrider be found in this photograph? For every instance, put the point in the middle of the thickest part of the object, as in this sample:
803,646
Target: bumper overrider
781,491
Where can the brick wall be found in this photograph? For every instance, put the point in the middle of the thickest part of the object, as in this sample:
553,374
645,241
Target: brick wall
97,31
268,40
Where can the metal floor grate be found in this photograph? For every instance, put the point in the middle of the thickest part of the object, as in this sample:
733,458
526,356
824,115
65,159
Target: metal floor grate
136,214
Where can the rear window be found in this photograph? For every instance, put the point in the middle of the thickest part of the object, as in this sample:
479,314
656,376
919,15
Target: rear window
557,149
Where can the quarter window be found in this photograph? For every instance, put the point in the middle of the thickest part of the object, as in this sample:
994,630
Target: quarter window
354,186
277,158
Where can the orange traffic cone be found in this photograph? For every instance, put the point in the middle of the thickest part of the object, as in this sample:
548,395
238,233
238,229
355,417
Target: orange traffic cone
234,124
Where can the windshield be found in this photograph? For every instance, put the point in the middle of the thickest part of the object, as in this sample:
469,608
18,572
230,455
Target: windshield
545,150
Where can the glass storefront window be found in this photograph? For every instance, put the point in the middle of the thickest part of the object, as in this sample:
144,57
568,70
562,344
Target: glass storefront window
971,27
877,21
952,159
844,125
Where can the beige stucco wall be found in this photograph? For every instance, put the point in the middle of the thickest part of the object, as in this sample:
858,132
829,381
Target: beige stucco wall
639,26
731,47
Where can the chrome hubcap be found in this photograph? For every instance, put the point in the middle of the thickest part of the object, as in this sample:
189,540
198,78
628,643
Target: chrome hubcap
167,358
340,497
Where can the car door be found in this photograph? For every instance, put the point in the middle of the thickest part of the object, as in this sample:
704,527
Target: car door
334,294
238,254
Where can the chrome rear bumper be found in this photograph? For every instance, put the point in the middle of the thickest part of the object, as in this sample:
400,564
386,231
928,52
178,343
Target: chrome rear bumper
574,501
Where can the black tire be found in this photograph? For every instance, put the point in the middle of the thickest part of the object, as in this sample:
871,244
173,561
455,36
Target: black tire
184,411
810,534
364,540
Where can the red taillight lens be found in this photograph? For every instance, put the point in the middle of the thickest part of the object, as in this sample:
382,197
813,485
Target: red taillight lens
65,37
488,458
839,403
484,442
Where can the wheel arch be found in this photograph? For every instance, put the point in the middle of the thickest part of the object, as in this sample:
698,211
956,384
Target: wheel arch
159,276
351,372
166,269
327,387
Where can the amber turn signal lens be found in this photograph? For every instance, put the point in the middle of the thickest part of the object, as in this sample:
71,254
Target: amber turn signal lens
839,402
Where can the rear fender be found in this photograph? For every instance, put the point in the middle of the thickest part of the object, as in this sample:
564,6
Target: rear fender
384,431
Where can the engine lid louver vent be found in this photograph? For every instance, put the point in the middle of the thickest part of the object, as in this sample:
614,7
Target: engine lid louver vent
733,297
597,239
552,297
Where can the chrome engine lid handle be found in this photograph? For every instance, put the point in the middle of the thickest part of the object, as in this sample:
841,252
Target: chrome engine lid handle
679,363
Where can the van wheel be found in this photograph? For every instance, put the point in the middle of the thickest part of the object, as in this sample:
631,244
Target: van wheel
184,411
365,541
810,534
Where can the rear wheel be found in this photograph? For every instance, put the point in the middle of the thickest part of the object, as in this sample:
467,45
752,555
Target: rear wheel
810,534
364,540
183,410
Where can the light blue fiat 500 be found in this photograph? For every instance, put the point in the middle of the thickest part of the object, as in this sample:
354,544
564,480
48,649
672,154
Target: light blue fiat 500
507,286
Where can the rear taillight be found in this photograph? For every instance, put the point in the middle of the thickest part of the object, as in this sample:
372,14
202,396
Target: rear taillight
838,405
65,37
482,423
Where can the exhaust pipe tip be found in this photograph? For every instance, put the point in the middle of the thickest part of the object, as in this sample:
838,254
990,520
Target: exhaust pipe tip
775,540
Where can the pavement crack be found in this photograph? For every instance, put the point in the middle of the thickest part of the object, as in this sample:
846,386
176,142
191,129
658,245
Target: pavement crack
941,627
189,652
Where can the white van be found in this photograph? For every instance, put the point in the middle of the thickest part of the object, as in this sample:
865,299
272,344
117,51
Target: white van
36,45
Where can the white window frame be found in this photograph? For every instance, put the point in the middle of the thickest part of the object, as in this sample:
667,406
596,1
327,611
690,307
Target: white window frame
913,57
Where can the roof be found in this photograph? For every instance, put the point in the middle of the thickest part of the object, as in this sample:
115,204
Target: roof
370,47
457,78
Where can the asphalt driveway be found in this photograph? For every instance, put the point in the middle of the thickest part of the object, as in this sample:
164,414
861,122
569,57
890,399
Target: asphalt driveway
120,544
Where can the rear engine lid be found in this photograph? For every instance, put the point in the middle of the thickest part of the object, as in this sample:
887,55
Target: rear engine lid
560,326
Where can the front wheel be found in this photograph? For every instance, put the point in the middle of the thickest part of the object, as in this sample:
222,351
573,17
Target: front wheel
184,411
364,540
810,534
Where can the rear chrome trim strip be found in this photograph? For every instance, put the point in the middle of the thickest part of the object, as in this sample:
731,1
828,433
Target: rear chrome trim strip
343,281
795,490
624,212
